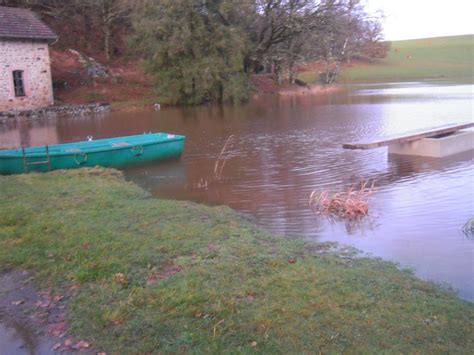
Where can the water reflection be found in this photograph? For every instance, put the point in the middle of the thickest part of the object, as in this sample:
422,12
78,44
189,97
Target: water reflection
285,147
24,134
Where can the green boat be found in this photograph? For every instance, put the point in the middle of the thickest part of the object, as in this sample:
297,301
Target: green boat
112,152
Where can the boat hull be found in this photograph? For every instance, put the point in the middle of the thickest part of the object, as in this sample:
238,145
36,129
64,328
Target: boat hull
115,153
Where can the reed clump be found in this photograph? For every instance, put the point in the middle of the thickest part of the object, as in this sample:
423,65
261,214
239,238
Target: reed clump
351,204
222,159
219,165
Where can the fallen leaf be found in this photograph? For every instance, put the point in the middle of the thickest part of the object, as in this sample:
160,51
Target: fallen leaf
292,260
119,278
68,342
56,346
41,304
101,353
81,344
58,298
220,322
253,344
17,303
58,328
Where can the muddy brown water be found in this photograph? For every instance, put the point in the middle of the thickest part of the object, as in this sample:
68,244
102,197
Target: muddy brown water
284,147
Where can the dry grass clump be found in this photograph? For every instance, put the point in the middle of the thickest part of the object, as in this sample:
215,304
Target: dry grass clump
350,204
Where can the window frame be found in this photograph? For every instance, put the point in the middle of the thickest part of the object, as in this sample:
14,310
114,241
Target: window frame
18,77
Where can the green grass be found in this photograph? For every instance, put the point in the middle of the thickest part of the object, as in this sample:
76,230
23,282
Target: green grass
309,77
236,286
440,57
430,58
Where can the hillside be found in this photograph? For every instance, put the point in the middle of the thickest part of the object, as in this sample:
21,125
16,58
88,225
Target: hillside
78,78
127,86
438,57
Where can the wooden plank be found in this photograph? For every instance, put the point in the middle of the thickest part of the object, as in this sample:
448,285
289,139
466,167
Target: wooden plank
409,136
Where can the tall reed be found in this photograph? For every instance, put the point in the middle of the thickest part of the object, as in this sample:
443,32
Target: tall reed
221,160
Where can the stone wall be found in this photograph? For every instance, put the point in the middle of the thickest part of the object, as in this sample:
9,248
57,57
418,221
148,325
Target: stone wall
32,57
54,111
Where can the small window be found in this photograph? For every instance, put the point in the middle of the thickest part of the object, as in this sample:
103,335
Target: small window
18,83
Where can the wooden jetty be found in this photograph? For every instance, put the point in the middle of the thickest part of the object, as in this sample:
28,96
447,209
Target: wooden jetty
435,142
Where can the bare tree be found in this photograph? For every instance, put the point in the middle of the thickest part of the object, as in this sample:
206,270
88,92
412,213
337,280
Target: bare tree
111,12
279,21
346,32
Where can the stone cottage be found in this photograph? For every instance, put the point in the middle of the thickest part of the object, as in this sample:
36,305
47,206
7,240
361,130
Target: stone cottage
25,70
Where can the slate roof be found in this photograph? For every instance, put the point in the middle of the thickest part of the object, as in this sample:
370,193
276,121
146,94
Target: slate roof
18,23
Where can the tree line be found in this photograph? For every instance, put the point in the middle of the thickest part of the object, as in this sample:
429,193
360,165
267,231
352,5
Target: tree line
203,50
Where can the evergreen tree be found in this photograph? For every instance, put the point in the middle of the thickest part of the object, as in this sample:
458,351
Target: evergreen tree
193,49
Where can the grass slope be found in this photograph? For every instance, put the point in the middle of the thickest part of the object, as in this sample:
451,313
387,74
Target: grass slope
219,284
439,57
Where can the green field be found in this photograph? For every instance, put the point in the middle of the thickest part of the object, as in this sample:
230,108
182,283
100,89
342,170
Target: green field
430,58
198,279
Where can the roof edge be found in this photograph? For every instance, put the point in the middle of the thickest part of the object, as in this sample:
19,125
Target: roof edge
50,40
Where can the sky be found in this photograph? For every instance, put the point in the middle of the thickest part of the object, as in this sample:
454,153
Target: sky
409,19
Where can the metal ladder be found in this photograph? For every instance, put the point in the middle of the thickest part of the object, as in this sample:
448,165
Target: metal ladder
41,162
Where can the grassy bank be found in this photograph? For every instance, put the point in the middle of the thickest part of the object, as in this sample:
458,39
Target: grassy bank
439,57
166,276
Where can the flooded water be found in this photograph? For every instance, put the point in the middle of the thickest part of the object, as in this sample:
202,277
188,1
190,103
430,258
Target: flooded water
14,342
11,342
285,147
